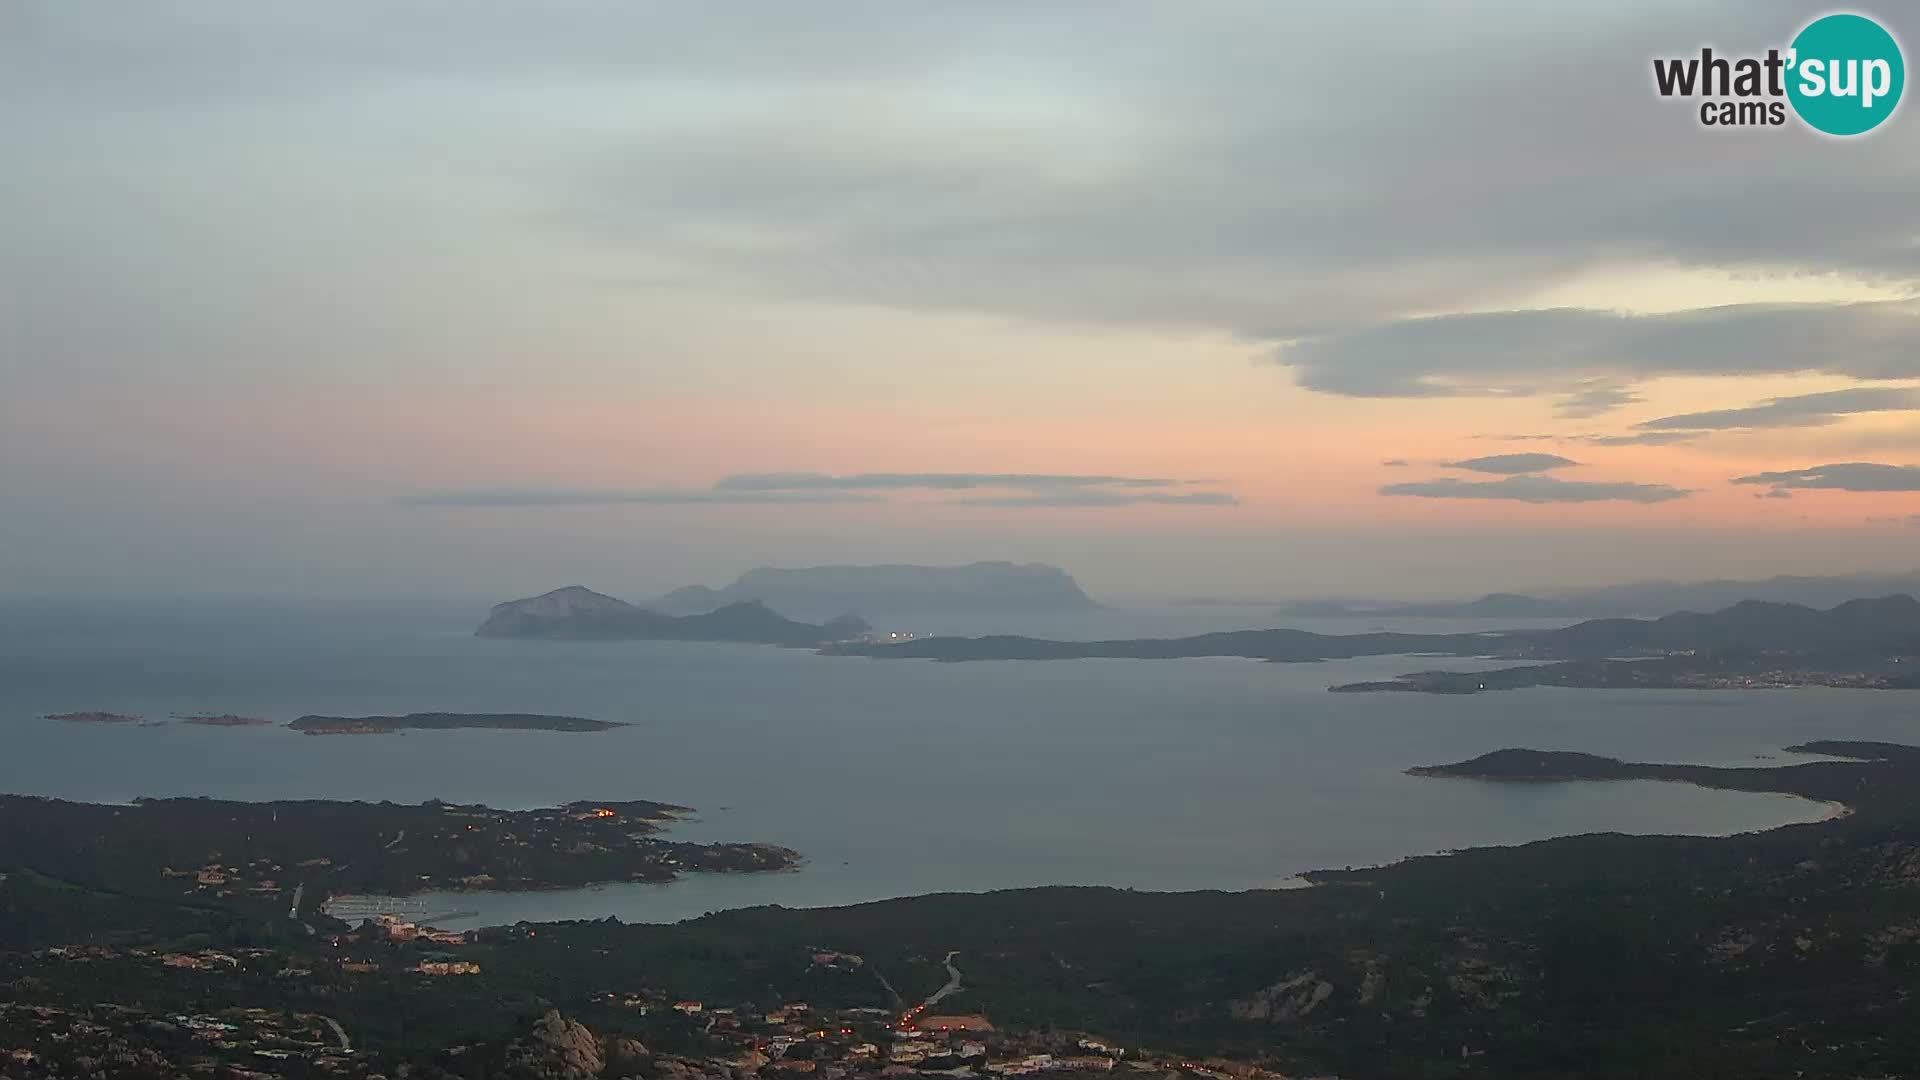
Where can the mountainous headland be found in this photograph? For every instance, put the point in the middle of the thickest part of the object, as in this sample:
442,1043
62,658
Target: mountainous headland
818,591
578,613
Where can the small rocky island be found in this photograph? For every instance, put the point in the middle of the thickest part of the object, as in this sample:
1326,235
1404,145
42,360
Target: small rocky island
93,716
224,720
445,721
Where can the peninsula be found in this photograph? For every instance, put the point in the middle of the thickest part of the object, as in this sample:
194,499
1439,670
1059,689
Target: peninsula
261,852
444,721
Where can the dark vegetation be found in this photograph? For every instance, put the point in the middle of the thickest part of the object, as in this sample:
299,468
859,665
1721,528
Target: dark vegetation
1788,953
195,856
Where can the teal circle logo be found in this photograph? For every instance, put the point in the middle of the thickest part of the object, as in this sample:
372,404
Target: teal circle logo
1845,74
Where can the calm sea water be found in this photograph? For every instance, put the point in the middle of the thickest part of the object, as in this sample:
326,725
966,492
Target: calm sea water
893,778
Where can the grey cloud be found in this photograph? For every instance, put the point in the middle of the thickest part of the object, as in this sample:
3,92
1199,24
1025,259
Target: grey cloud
589,497
1516,352
1068,499
808,481
1844,476
1538,489
1510,464
1644,438
945,155
1803,410
1040,489
1593,399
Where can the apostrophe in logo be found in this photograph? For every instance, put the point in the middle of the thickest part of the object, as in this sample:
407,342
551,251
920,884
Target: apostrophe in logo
1847,74
1842,75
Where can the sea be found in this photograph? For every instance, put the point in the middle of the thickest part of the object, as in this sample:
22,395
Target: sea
892,778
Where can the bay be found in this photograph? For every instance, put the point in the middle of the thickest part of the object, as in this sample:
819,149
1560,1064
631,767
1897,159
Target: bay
892,778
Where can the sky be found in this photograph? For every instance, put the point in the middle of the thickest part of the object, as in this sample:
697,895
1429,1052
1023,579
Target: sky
1223,298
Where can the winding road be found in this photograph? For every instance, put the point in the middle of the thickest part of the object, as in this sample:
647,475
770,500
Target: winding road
953,982
952,987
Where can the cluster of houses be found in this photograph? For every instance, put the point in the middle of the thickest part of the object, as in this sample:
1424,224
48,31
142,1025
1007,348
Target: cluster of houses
798,1039
394,928
256,879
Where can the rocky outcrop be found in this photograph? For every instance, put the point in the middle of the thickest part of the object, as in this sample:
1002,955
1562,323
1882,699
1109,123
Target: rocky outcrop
557,1049
627,1057
1284,1002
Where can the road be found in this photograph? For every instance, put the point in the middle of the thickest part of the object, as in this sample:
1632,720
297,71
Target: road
952,987
953,982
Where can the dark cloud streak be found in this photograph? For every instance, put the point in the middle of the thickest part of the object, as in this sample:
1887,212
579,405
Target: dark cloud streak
1843,476
1804,410
808,481
1512,464
1538,489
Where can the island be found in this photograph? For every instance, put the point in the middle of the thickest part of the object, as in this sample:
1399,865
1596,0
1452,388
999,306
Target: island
1859,768
94,717
223,720
577,613
893,590
445,721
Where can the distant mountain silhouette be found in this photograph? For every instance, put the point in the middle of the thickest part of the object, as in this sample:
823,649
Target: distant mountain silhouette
1886,626
578,613
818,591
1490,606
1642,598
